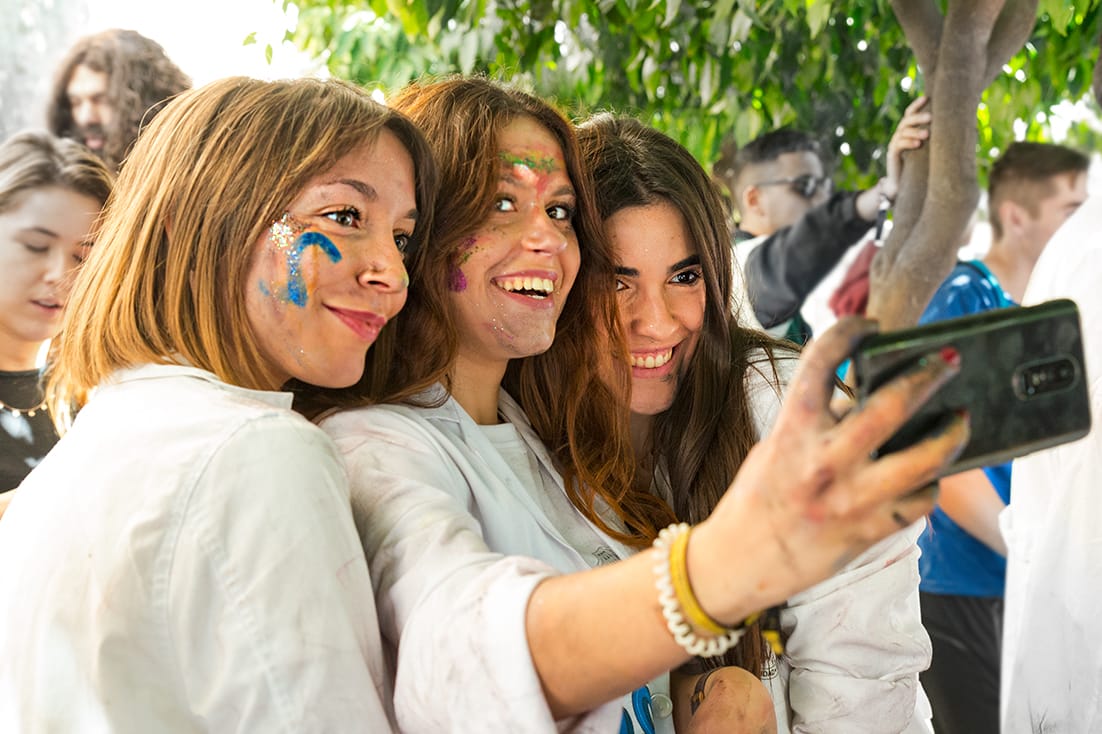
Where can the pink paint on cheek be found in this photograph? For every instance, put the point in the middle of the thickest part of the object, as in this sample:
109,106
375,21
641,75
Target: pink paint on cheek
457,281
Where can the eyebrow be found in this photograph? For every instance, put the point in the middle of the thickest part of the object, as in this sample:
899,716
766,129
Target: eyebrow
367,190
370,193
564,190
679,265
39,230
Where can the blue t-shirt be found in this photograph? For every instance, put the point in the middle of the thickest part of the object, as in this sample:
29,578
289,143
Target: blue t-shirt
953,561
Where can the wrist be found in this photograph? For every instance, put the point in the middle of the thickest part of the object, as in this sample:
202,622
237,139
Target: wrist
721,578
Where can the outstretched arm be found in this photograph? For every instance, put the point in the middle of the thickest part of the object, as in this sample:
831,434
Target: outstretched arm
773,534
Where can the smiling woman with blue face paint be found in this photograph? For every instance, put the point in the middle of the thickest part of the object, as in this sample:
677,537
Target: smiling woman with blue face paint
185,558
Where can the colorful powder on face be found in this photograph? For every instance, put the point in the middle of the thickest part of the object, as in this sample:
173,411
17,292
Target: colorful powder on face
457,281
290,237
534,162
467,249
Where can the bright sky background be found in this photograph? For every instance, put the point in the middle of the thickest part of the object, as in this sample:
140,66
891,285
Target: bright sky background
204,37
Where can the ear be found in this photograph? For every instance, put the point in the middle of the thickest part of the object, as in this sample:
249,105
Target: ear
751,201
1013,217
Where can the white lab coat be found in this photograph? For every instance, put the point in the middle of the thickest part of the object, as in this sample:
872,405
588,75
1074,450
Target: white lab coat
185,560
432,497
1052,633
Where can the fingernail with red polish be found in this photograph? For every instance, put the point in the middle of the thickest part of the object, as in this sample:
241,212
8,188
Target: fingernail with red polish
950,356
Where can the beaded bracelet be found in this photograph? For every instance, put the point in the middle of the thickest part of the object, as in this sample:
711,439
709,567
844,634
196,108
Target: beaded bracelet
677,596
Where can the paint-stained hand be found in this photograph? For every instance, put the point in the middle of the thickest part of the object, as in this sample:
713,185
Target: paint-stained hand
809,497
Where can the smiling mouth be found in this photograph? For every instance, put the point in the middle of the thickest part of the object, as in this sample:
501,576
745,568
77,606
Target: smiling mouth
539,288
52,305
651,361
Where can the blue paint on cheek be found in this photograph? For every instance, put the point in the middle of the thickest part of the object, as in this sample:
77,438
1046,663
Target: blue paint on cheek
296,284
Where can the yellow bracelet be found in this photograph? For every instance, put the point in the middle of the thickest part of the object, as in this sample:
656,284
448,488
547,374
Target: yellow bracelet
681,630
683,590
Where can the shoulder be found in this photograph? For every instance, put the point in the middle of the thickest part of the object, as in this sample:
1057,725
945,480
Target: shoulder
399,424
966,290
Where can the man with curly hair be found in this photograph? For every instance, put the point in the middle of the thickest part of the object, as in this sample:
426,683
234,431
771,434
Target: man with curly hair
108,86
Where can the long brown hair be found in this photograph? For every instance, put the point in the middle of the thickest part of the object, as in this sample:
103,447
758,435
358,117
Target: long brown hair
581,418
705,435
211,173
141,79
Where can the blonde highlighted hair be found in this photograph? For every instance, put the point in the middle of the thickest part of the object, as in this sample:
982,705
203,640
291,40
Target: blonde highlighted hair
205,180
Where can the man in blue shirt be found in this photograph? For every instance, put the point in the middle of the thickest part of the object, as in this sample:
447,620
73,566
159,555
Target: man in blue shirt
1033,188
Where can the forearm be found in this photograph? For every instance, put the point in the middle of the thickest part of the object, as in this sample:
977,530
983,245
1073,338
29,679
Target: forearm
971,502
597,635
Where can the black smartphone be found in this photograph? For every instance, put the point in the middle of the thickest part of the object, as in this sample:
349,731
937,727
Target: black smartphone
1022,379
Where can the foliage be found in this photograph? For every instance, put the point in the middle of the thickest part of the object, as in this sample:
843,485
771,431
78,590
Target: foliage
699,71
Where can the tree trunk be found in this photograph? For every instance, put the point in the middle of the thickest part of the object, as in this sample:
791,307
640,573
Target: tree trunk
959,53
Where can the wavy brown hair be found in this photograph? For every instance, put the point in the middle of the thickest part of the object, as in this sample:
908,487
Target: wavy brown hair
705,435
582,419
204,182
141,79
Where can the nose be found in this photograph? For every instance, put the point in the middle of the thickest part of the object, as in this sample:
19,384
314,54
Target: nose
85,113
542,234
58,266
650,316
382,266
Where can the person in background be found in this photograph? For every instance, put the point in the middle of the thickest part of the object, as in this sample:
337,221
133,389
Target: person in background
492,476
704,391
793,230
1032,189
1052,642
108,86
185,558
51,194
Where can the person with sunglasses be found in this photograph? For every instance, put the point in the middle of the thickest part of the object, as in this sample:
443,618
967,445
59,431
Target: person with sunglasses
793,229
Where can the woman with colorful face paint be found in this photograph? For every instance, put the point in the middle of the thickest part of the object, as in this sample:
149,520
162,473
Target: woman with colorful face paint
185,558
51,192
704,391
493,488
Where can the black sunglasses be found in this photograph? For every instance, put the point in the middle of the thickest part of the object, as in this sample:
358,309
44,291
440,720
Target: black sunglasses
806,185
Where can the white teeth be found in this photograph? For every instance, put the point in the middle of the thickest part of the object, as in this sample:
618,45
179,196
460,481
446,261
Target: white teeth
651,361
542,285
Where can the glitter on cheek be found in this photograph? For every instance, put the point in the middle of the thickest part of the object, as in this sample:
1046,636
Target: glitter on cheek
290,237
467,249
457,281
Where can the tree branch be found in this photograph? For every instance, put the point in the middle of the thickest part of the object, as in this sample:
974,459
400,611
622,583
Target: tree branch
921,24
1012,30
912,270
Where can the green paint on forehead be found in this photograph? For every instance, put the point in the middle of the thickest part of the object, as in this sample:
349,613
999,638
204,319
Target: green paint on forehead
532,161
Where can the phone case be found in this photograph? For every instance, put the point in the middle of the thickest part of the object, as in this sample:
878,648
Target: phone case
1022,379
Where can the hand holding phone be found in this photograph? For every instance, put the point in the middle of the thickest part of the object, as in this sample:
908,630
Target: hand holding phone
1022,379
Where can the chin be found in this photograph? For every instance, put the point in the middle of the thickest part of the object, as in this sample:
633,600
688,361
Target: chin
651,406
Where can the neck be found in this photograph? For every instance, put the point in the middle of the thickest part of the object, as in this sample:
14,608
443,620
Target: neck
1011,267
475,385
17,355
641,427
